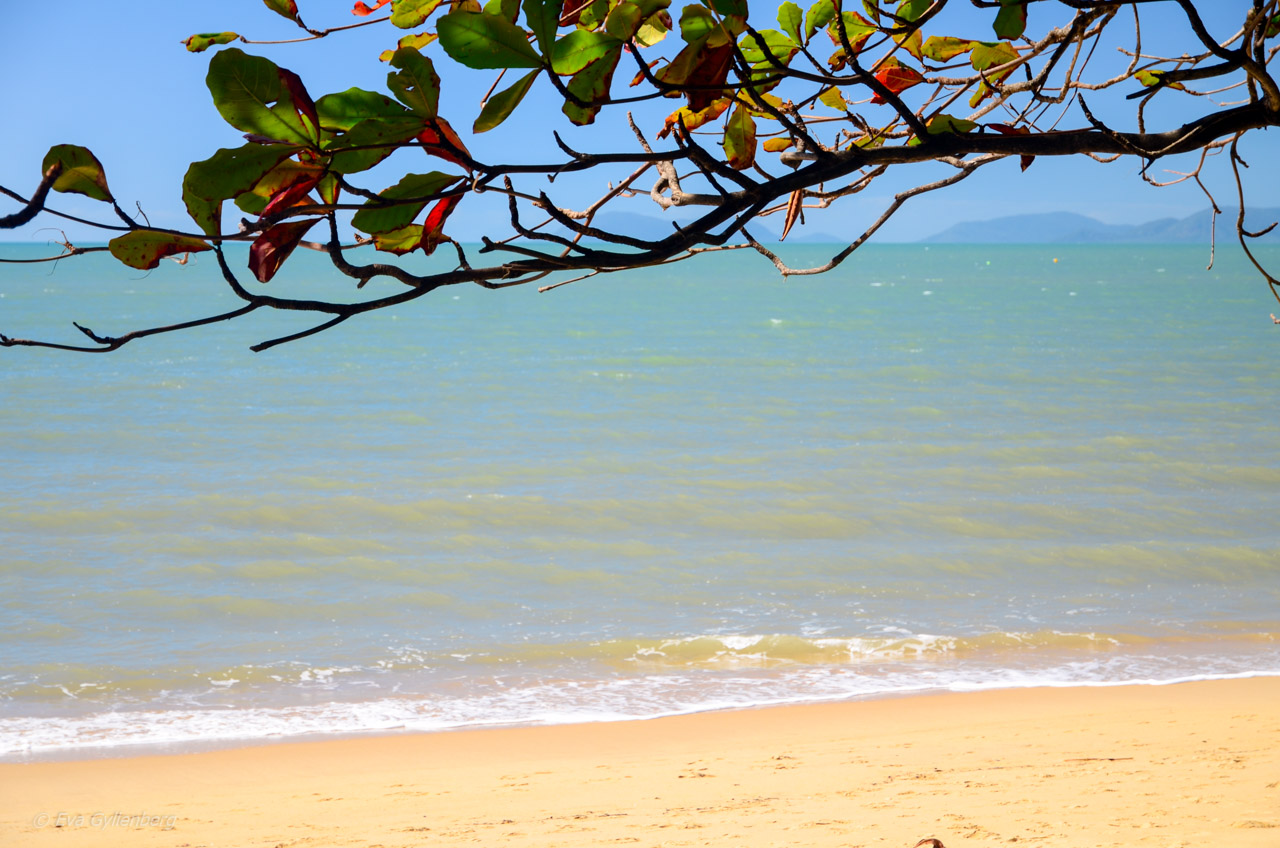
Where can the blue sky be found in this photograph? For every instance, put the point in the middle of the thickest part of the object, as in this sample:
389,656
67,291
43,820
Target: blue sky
114,77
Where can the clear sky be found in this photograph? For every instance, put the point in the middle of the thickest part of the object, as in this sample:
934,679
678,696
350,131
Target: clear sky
114,77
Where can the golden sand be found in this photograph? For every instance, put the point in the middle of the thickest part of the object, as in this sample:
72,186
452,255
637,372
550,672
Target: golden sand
1194,764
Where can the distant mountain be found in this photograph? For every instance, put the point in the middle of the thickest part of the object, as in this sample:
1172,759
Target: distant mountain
1069,228
1045,228
647,227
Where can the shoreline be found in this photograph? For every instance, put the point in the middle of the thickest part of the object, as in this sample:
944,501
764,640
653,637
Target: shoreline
1191,762
178,747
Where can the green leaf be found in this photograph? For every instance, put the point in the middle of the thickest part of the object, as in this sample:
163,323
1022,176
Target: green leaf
763,78
697,24
649,8
401,241
343,110
328,188
416,85
224,175
202,41
366,134
591,84
949,124
856,28
624,20
243,89
819,15
416,41
593,15
779,46
911,43
987,55
509,9
543,17
833,98
485,41
1153,78
740,139
287,8
1011,21
408,14
730,7
378,217
755,108
427,235
499,106
143,249
944,48
911,10
251,203
653,30
990,54
790,18
579,49
81,171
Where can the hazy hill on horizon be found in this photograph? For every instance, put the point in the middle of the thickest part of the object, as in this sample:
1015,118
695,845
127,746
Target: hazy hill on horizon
1071,228
1039,228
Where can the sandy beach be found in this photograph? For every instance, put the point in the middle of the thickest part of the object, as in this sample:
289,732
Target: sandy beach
1181,765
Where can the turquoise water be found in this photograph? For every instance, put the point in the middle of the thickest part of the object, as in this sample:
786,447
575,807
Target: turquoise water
682,489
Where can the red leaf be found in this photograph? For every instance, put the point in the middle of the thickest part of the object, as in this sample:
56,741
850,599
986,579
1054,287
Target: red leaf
439,139
432,234
571,10
1005,129
272,248
364,11
291,193
712,70
897,78
302,102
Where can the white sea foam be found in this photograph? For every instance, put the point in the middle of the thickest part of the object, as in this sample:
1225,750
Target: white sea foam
590,700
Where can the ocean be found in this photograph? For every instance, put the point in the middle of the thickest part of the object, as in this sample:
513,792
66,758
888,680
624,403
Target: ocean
682,489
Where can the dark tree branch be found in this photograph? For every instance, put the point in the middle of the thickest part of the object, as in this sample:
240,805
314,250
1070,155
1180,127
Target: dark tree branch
35,204
106,344
877,127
